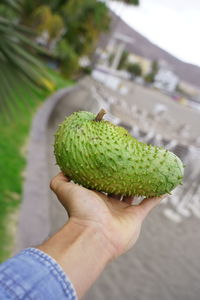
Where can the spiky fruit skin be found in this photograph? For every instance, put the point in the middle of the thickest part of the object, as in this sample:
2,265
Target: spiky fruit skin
105,157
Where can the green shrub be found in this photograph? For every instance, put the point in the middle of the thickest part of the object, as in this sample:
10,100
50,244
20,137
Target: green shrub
69,60
123,60
150,77
86,70
111,58
134,69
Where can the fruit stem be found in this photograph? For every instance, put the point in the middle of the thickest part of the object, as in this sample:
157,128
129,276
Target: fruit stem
100,115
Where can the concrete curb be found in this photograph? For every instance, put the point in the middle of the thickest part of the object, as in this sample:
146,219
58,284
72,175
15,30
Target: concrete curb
35,194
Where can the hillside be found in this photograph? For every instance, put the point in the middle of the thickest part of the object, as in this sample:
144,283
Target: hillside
143,47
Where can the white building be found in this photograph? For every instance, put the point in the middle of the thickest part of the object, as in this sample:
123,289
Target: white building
166,80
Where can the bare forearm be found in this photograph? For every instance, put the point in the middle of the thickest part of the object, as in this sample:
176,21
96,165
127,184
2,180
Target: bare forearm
82,252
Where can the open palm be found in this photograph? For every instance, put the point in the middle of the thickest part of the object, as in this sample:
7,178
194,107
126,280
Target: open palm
118,220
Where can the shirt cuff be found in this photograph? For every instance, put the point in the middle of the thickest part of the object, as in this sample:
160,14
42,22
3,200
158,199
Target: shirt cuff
32,274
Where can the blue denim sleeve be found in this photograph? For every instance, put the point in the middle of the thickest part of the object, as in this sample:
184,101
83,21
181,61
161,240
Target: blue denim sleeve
32,274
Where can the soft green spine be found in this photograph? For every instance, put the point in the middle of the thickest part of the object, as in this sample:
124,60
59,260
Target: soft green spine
105,157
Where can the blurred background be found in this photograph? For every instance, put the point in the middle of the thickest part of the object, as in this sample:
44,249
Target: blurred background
140,61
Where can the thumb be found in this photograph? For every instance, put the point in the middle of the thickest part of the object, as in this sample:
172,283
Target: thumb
58,181
61,186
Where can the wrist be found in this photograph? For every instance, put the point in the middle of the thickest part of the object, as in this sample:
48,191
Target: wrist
94,233
90,237
82,250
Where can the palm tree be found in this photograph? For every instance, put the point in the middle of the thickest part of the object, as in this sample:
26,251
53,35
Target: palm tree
18,65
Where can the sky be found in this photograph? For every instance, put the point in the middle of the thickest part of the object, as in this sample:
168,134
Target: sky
173,25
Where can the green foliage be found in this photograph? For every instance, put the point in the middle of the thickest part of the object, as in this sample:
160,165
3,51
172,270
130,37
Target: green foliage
134,69
6,12
10,7
43,19
69,60
12,160
132,2
150,77
111,58
86,70
155,67
27,8
79,23
18,65
84,21
123,60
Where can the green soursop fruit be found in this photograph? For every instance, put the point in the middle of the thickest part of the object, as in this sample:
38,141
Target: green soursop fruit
102,156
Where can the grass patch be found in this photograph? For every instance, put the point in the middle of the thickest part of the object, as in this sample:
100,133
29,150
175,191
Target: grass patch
14,130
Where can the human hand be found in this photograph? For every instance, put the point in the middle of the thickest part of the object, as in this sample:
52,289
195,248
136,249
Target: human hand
119,221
